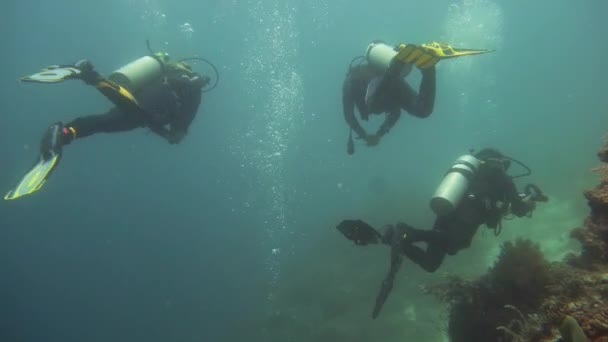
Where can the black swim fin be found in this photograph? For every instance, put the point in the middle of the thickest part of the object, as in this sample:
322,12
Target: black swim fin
359,232
395,238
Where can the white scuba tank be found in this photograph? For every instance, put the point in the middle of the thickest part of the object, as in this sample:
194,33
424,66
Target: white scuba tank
138,73
380,55
454,185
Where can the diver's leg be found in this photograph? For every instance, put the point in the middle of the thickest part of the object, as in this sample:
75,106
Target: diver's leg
429,259
57,135
114,120
411,234
436,240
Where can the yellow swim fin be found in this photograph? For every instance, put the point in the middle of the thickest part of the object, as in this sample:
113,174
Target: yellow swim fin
444,51
35,178
119,95
53,74
427,55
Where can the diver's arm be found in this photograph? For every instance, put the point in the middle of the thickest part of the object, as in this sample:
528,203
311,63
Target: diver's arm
391,119
162,131
421,104
188,111
519,206
348,108
179,127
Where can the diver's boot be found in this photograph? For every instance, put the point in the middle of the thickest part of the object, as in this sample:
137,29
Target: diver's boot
400,231
55,138
387,235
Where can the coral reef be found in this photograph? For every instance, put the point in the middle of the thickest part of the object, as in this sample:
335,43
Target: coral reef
525,298
520,274
594,236
516,284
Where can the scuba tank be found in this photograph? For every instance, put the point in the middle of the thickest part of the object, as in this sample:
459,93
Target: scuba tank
380,55
454,185
140,72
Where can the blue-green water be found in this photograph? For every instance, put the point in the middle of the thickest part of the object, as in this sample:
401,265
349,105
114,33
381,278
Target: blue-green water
230,235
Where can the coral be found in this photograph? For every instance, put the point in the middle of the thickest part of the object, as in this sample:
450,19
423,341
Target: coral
517,327
481,310
520,274
594,240
594,235
578,293
602,154
517,279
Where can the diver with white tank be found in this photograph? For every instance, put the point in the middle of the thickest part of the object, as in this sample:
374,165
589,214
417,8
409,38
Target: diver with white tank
150,92
376,84
476,190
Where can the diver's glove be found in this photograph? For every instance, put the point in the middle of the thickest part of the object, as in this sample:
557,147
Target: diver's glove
87,72
186,82
535,193
530,205
373,139
201,81
175,137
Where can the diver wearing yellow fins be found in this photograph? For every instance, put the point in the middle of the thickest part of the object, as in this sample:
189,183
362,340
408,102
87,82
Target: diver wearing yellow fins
378,86
148,92
476,190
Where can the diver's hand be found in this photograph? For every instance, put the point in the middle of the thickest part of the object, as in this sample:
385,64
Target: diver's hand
530,203
175,137
87,71
160,130
535,193
372,139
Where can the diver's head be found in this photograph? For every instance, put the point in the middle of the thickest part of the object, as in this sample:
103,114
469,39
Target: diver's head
163,57
180,67
181,76
377,41
493,159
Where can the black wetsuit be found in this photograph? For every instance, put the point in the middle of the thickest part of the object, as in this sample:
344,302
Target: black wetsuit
489,196
393,97
171,103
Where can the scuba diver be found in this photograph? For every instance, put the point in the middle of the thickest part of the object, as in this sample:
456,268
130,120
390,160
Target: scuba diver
476,190
149,92
378,86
